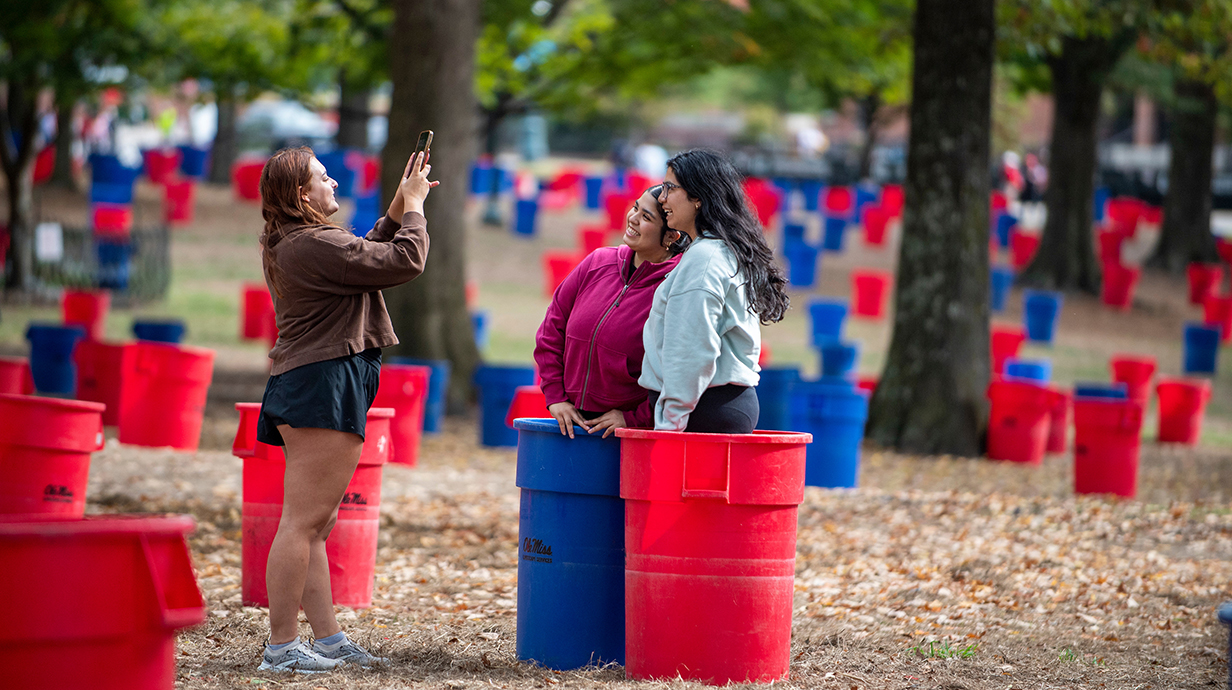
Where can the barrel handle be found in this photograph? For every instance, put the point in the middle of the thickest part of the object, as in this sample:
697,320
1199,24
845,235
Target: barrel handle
686,492
173,618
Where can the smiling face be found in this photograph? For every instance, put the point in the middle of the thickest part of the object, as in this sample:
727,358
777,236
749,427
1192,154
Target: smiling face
319,191
680,208
645,232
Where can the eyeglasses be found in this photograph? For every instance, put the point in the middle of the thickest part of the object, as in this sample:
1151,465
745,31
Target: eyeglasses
669,186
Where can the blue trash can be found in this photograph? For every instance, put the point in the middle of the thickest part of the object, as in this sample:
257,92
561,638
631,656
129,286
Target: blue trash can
51,357
1029,369
801,264
793,233
786,186
1103,391
367,213
594,193
1002,279
1201,348
438,388
571,555
335,165
1100,206
866,195
497,385
481,178
827,316
479,324
774,397
1005,225
194,161
835,412
524,218
108,169
812,194
111,192
838,359
835,231
159,331
1040,312
113,264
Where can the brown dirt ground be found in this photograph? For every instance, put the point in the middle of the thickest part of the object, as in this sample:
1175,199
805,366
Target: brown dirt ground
1035,587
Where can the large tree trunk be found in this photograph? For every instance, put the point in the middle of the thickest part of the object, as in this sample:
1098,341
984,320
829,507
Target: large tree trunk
931,398
432,58
1186,233
869,105
352,114
63,176
226,140
20,117
1066,258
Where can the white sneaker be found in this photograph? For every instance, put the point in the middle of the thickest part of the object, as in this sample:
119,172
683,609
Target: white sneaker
296,657
347,652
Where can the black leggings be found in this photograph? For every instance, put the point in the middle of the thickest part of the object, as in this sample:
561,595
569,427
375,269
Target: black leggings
726,409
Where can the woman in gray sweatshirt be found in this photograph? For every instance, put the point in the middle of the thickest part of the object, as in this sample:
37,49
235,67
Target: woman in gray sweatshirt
703,336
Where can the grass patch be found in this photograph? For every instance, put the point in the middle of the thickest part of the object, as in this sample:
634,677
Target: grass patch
935,649
1068,655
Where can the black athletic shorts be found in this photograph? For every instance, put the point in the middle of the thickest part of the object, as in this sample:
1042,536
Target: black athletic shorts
333,394
726,409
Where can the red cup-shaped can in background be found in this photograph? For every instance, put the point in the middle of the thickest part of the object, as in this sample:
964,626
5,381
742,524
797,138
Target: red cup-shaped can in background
15,376
178,200
256,315
88,309
1182,405
1217,311
1204,280
870,290
163,403
1107,438
1019,421
1135,371
1119,284
556,267
1005,342
45,447
404,389
1058,420
1023,247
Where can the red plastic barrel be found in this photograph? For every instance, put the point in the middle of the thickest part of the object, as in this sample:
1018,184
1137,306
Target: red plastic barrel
838,200
617,206
1135,371
256,312
1217,311
87,308
592,237
351,546
528,401
1110,242
111,220
45,447
892,199
1106,442
1224,248
1204,280
1020,421
95,603
404,389
876,219
100,374
869,292
1123,213
1118,285
160,165
15,376
556,267
246,178
1022,248
178,202
1005,342
164,395
1182,403
1058,420
710,543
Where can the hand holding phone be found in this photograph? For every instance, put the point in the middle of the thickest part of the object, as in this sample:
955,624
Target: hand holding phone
423,145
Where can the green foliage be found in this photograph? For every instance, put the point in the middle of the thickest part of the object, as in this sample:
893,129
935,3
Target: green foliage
944,650
1194,39
343,35
1068,655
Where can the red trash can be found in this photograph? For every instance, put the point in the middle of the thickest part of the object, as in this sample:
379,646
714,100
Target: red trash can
1020,421
404,389
246,179
1217,311
528,401
556,267
1058,421
163,401
178,200
15,376
1182,403
1135,371
1005,342
710,543
1118,286
1204,280
869,291
1107,437
351,546
100,374
88,309
96,603
45,447
256,311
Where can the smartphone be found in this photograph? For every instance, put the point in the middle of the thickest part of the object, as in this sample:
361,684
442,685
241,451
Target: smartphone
424,143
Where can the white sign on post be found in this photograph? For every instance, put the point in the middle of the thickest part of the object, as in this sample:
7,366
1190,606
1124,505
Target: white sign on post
49,242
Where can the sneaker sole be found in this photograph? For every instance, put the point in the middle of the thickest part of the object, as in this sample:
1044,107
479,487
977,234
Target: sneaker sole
267,666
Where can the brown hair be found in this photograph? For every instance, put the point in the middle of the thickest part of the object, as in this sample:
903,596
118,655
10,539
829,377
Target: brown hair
282,206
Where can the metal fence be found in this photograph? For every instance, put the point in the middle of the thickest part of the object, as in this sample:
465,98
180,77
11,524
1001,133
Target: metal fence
137,268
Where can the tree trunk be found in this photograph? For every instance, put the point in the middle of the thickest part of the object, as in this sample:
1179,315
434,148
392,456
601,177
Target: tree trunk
1066,258
869,105
1186,233
63,176
20,117
432,59
931,398
226,140
352,114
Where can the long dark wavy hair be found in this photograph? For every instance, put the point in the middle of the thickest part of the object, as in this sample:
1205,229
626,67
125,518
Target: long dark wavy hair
725,214
682,243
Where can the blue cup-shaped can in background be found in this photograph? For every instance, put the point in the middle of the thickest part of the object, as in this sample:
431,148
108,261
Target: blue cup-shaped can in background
1001,279
1100,206
835,412
497,386
793,233
367,213
524,219
335,165
1005,225
194,161
838,359
594,193
111,192
159,331
1040,312
51,357
827,317
1029,369
479,324
571,555
1104,391
774,397
835,231
1201,348
801,264
812,194
438,390
114,263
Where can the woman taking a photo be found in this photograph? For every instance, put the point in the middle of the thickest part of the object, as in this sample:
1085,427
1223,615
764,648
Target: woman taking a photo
326,364
703,336
589,347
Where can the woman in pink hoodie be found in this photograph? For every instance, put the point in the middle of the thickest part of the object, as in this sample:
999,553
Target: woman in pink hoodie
589,347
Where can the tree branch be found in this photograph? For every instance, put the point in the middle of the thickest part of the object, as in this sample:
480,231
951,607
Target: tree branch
362,20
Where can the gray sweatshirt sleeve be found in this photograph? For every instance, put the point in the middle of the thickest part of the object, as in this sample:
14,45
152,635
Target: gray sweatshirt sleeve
691,346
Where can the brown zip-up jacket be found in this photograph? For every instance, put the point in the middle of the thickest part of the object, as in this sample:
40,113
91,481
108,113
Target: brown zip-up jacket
327,296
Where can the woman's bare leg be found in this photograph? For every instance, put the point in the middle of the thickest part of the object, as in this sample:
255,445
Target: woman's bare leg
320,463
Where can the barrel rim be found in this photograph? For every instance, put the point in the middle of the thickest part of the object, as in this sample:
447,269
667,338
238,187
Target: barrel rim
758,436
98,525
62,403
